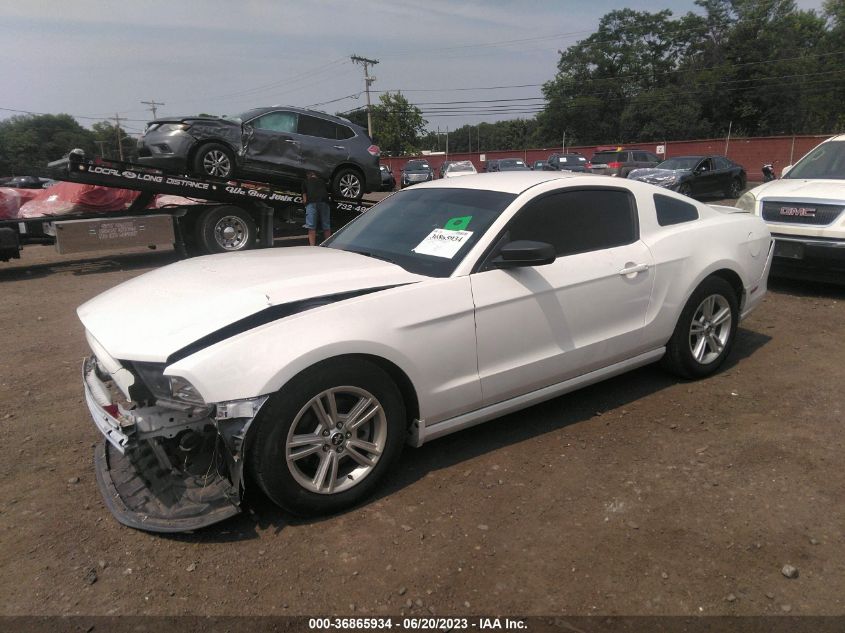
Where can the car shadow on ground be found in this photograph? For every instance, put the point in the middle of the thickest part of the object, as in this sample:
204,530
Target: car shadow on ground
261,514
805,287
90,266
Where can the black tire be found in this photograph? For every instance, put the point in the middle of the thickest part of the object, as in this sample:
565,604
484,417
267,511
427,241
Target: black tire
348,183
684,189
680,357
214,160
290,483
734,189
225,229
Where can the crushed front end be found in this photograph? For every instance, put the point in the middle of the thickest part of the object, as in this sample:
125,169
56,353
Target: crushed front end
169,462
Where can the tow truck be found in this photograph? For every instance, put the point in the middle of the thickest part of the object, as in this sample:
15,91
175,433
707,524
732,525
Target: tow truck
230,215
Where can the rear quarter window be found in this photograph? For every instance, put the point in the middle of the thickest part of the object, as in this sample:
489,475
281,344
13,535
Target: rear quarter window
672,211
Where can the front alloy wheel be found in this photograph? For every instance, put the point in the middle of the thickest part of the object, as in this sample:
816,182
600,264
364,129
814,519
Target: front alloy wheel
336,440
323,441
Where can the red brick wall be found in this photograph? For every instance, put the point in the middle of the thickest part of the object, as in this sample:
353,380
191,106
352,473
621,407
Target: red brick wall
751,153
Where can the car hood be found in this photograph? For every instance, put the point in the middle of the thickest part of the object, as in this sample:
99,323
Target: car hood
152,316
801,188
652,173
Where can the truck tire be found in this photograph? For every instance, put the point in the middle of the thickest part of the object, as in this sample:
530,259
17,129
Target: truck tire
225,229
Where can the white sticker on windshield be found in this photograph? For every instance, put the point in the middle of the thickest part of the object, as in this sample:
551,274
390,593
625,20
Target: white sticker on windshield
443,243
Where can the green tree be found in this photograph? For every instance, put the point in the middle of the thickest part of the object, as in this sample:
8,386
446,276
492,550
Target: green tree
29,142
397,124
106,135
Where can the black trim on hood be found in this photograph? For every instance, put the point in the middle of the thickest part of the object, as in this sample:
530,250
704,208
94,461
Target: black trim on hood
268,315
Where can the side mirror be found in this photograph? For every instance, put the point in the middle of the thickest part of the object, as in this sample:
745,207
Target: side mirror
785,170
522,253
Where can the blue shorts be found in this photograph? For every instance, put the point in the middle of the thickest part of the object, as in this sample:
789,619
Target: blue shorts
312,209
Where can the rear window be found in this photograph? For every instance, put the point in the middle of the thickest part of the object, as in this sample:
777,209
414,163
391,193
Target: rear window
672,211
609,157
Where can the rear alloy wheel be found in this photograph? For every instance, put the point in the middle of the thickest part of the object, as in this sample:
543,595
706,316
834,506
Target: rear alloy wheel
348,183
705,332
324,440
225,229
735,189
215,160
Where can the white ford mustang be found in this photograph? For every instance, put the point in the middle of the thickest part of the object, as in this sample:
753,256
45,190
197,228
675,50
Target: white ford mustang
306,369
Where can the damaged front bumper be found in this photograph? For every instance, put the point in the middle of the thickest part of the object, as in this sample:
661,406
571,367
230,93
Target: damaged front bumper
163,468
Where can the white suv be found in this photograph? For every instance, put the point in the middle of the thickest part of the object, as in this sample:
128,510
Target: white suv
804,212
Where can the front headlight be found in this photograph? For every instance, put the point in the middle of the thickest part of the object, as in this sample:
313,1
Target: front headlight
169,388
174,127
181,389
747,202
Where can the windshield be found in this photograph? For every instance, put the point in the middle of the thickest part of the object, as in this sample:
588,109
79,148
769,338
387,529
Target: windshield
685,162
460,167
409,226
246,116
573,159
826,161
416,166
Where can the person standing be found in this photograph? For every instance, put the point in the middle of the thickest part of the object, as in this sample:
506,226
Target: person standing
315,195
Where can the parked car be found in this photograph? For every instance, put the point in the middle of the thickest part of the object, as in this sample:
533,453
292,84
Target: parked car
568,162
27,182
445,305
278,144
388,182
619,162
696,176
459,168
443,167
491,165
805,211
416,171
511,164
540,165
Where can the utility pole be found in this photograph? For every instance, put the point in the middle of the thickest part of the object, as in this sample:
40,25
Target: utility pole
366,63
119,135
153,103
102,149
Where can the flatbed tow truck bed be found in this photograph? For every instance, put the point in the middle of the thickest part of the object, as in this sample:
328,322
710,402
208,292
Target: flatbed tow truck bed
231,215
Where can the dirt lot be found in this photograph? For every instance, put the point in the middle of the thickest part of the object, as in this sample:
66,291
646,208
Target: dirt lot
642,495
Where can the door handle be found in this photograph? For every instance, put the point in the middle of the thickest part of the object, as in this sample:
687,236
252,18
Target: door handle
290,140
338,146
632,270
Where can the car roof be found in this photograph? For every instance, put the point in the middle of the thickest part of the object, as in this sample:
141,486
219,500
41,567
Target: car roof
510,181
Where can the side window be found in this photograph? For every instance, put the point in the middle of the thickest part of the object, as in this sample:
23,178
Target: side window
579,221
722,163
652,158
313,126
344,132
641,157
705,165
672,211
276,122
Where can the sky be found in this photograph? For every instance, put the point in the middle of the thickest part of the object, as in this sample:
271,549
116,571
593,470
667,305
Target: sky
96,59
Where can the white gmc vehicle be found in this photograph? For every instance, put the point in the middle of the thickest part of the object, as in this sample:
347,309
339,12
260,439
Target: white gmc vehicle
804,212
